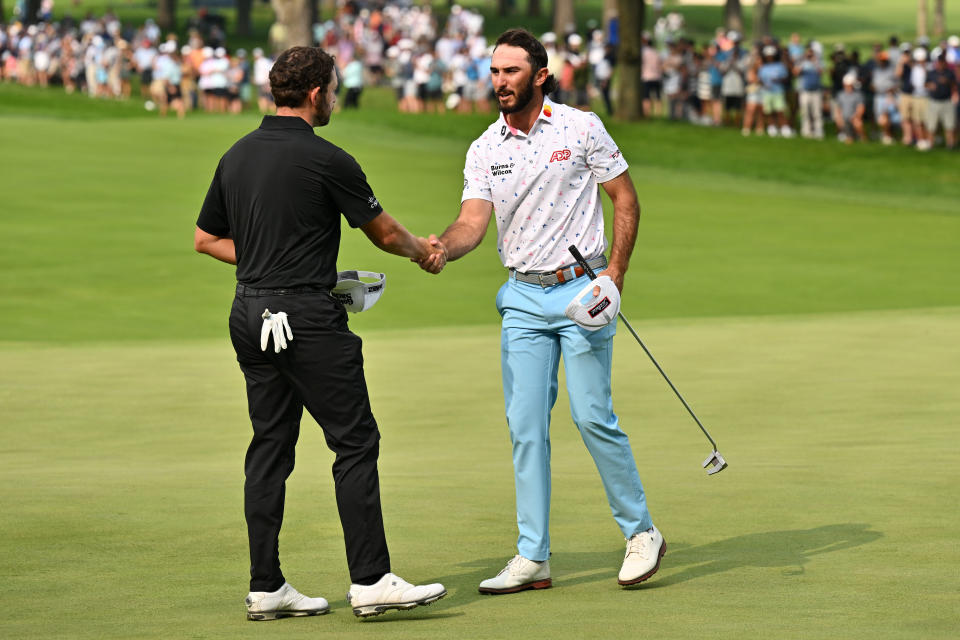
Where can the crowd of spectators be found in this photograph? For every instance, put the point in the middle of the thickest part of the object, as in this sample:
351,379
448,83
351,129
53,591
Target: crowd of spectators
402,45
900,92
897,92
106,58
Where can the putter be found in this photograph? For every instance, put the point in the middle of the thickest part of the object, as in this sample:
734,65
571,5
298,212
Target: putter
714,462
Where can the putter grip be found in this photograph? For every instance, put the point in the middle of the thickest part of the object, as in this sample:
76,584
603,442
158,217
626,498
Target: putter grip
583,263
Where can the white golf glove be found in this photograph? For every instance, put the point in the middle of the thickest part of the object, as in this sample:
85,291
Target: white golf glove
276,324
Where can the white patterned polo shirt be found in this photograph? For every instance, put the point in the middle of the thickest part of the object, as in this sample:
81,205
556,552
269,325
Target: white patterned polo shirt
543,185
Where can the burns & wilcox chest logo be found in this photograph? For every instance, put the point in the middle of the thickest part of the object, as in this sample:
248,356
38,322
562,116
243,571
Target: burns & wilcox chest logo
501,169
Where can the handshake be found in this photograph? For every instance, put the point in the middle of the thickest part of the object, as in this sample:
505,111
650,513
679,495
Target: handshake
433,257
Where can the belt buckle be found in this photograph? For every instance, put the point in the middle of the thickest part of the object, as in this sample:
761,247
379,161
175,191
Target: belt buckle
540,278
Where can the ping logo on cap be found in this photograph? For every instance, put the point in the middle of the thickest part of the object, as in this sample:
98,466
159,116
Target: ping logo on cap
345,299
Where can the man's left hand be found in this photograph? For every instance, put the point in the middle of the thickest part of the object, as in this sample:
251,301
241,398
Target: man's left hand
614,274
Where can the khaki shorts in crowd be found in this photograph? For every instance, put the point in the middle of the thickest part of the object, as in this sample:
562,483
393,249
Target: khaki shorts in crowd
158,88
905,103
941,111
918,111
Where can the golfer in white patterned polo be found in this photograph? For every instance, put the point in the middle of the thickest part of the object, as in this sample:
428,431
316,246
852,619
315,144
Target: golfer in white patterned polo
537,169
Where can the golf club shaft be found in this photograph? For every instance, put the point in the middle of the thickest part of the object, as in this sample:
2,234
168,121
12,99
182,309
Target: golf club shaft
593,276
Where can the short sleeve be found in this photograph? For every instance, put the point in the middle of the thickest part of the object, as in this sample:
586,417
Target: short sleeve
603,157
350,191
476,177
213,213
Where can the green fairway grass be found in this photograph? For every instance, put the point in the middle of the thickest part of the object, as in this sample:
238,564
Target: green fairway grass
99,224
801,295
123,468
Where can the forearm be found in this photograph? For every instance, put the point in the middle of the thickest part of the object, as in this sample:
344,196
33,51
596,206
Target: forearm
624,238
387,234
626,220
459,239
222,249
403,243
467,231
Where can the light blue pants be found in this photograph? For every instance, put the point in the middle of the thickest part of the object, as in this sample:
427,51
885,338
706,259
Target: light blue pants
535,334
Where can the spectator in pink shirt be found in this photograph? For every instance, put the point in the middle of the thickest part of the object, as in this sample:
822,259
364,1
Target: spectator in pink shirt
651,72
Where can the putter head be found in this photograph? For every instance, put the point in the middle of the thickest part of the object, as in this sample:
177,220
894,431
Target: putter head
715,462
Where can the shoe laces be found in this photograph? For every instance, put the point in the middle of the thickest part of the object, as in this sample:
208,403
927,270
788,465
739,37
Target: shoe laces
635,545
515,565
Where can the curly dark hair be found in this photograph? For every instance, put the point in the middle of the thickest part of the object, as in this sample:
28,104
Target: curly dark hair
296,72
536,54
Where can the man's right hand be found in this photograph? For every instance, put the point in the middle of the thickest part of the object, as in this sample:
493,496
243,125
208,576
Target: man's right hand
436,259
460,238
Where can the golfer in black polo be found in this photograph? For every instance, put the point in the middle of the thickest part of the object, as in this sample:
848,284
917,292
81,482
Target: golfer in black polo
273,209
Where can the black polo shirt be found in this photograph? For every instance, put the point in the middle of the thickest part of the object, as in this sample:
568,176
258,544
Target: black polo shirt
279,192
943,81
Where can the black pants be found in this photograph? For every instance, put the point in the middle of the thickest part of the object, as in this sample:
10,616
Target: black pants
322,370
352,99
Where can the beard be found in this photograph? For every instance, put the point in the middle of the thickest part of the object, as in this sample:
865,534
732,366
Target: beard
321,113
522,100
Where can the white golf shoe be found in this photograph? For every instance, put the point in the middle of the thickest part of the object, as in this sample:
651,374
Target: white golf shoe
391,592
518,575
642,558
285,602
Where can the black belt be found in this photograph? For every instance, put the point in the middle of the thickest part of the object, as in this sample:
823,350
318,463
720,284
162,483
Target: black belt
561,275
244,290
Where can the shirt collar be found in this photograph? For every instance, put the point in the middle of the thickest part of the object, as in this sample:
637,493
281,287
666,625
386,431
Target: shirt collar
547,113
285,122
